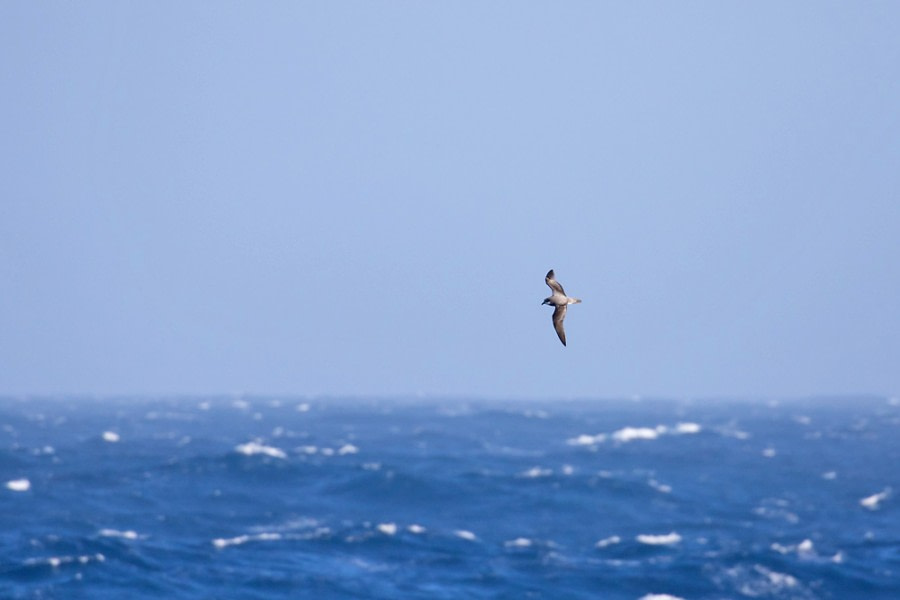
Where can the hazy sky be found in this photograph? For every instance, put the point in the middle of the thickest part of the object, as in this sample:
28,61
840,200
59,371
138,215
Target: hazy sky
364,197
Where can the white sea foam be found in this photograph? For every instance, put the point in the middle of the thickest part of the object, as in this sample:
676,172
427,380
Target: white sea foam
518,543
829,475
627,434
303,407
804,549
660,487
57,561
610,541
466,535
660,597
535,472
873,502
769,452
111,437
251,448
417,529
128,534
667,539
243,539
568,469
688,428
388,528
18,485
347,449
308,449
778,580
586,440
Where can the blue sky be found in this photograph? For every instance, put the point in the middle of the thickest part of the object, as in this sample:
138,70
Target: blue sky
363,198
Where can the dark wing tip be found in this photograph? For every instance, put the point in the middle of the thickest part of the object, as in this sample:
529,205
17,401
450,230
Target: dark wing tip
550,274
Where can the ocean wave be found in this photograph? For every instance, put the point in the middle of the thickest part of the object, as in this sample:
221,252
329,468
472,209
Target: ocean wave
243,539
255,447
115,533
666,539
18,485
874,501
630,434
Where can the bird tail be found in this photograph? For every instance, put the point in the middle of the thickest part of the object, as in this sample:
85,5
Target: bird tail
574,300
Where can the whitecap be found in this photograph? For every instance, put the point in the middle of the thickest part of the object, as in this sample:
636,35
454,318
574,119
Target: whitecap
18,485
586,440
128,534
667,539
417,529
781,549
387,528
308,449
769,452
778,580
57,561
688,428
303,407
660,487
251,448
243,539
111,437
518,543
568,469
872,502
660,597
610,541
627,434
466,535
804,549
535,472
347,449
829,475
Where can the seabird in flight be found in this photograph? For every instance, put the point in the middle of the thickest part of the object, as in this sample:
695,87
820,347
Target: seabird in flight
558,299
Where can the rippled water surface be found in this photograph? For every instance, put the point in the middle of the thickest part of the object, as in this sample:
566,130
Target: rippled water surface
282,497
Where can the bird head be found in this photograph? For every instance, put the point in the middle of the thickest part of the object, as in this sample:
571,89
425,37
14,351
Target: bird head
546,301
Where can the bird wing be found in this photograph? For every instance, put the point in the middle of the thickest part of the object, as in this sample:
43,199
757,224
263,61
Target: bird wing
553,283
558,315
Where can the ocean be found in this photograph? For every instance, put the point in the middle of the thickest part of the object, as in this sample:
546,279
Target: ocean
280,497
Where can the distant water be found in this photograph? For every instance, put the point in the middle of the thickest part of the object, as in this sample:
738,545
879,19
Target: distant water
287,498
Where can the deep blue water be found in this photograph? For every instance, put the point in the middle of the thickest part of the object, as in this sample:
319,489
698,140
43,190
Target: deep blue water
283,497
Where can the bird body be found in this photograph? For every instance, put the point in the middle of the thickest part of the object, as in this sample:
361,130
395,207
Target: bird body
559,300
